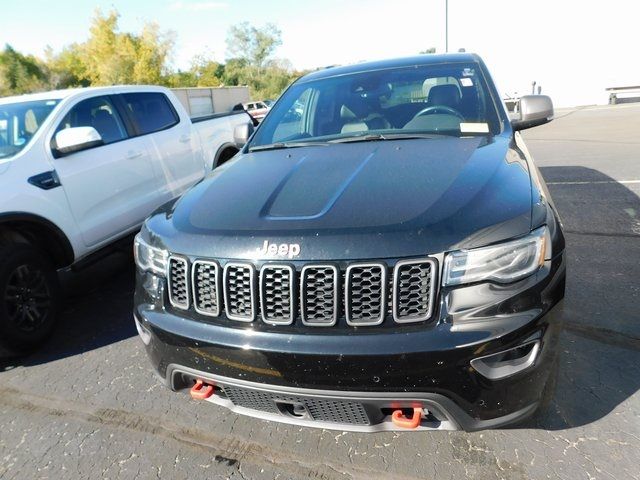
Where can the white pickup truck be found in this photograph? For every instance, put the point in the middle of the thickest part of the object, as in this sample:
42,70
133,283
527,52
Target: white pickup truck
79,171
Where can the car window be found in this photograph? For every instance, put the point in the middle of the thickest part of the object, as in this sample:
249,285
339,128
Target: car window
99,113
152,111
19,122
292,125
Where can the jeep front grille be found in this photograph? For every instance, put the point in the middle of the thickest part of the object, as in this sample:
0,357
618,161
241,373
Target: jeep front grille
240,291
319,295
277,296
205,281
178,285
363,294
365,288
413,290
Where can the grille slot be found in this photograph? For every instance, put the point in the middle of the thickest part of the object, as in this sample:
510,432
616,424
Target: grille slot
205,281
277,294
178,285
325,410
240,291
413,289
319,298
365,292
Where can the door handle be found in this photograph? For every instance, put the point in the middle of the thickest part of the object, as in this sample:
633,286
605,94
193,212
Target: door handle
185,138
131,154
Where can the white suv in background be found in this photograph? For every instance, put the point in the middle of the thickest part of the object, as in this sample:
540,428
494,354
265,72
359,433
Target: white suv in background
80,170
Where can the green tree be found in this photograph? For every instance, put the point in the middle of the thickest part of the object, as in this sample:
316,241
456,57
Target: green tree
67,68
153,52
206,72
429,50
255,45
251,49
21,73
112,57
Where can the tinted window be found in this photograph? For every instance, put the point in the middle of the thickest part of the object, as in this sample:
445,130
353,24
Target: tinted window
151,110
98,113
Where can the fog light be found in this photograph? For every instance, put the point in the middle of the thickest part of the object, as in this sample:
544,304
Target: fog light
504,364
151,284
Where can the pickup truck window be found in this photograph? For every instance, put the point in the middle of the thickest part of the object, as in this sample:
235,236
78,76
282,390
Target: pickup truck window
151,111
19,122
444,99
99,113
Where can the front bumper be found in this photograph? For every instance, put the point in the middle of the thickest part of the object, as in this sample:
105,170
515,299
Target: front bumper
419,366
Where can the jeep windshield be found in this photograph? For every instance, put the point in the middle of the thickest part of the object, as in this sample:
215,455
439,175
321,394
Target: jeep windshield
423,101
19,122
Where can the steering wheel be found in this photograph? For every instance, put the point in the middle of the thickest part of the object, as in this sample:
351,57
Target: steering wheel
439,109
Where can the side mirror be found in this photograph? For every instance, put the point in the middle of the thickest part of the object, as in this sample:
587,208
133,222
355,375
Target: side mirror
75,139
534,110
241,134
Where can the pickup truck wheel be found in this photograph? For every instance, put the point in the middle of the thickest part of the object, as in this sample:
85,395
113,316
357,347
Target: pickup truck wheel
29,297
225,156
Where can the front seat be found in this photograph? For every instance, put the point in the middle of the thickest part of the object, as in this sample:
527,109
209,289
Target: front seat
350,121
357,116
447,95
106,126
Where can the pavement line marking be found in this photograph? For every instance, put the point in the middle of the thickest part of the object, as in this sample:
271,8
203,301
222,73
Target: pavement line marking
594,182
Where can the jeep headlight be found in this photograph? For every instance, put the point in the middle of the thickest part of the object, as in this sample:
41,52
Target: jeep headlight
148,258
503,263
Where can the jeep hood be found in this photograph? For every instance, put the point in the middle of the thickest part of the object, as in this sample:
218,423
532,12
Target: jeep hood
377,199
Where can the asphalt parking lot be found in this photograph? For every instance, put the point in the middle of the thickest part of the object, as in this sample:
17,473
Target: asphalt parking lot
88,405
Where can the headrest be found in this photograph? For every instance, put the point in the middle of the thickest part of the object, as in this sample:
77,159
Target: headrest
448,95
354,107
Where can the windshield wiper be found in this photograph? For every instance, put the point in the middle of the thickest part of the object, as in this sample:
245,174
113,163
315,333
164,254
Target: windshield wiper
282,145
387,136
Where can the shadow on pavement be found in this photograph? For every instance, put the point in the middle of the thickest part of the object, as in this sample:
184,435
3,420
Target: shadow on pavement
600,343
96,312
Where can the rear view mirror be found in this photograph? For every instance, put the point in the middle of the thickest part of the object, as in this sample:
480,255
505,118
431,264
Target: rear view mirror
534,110
75,139
241,134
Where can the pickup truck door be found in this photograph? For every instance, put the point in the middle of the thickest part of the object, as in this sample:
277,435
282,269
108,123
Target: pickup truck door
171,139
111,188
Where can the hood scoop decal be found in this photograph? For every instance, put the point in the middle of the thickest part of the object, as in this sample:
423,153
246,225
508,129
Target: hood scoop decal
300,196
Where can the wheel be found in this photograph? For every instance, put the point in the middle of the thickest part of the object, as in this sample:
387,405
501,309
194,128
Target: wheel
29,297
226,155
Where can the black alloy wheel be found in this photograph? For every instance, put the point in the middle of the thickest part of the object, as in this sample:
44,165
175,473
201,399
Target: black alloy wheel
29,297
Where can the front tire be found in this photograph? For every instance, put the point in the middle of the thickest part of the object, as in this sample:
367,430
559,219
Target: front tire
29,297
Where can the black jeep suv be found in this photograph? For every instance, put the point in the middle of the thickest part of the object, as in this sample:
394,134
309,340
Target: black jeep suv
382,254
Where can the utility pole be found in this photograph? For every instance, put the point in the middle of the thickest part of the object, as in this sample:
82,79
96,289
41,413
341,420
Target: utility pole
446,26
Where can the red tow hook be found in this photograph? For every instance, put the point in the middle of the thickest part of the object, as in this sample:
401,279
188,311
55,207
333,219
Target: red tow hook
201,390
399,420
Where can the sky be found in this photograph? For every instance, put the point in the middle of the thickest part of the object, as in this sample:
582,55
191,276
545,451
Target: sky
572,49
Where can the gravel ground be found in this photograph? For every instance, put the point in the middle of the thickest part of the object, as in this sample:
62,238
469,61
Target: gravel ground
88,406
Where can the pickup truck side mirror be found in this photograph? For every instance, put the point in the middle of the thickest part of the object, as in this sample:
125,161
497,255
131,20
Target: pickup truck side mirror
75,139
241,134
534,110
